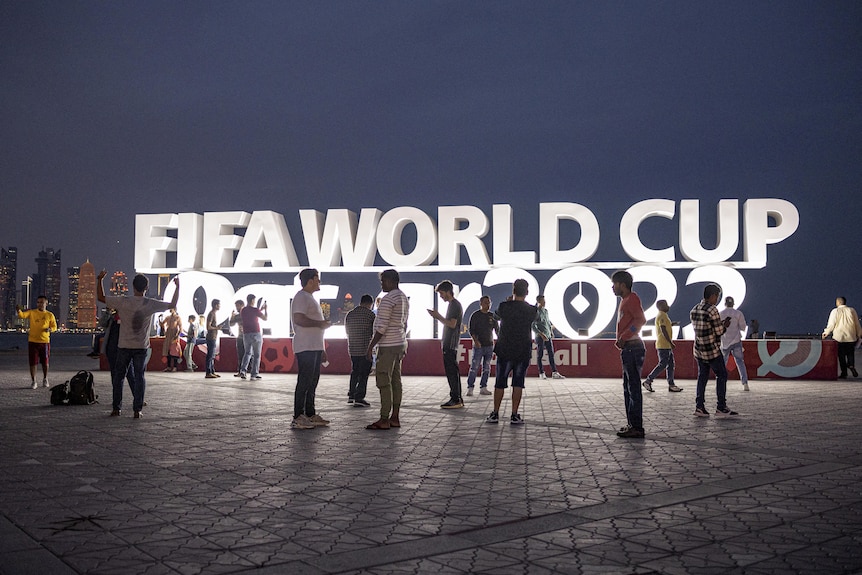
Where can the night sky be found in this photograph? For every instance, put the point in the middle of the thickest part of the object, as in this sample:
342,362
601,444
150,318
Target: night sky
111,109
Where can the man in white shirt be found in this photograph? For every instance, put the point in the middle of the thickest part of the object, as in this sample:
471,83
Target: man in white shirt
844,327
308,345
731,341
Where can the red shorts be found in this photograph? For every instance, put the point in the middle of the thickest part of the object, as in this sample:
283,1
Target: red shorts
38,352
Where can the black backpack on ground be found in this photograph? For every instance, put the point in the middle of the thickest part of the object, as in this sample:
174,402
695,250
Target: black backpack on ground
60,393
81,389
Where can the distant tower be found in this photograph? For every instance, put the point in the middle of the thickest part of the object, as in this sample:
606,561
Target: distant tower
119,284
74,274
87,318
8,286
49,278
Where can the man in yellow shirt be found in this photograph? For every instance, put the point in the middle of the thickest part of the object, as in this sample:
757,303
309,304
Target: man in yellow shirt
664,346
42,323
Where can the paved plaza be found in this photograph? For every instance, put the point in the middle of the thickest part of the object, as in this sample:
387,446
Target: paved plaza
213,480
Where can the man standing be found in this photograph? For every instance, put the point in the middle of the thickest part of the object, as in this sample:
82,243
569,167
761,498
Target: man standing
42,323
252,337
483,325
191,338
136,314
212,339
844,327
630,320
390,337
514,350
664,347
359,325
236,319
308,326
708,329
544,339
731,340
450,341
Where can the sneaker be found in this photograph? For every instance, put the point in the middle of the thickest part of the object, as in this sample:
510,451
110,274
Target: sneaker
493,417
242,375
138,415
33,385
631,433
45,383
542,375
558,375
255,377
237,374
484,391
674,388
452,404
349,402
210,376
624,428
469,392
725,413
745,387
648,385
318,421
701,412
516,419
361,403
301,422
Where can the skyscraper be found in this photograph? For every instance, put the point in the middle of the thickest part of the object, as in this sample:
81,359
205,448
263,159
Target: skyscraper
119,283
8,286
49,279
72,315
87,311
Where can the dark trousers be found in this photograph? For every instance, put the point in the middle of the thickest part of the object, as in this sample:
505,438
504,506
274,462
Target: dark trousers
846,355
359,377
632,357
716,364
136,358
307,376
211,345
453,376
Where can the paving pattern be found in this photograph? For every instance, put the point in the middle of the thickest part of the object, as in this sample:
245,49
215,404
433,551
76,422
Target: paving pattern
213,480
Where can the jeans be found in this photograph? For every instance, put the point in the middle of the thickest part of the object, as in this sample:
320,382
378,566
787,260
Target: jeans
737,352
453,376
543,345
253,343
632,357
136,358
388,378
240,353
716,365
308,373
481,356
187,354
359,377
211,345
518,369
665,361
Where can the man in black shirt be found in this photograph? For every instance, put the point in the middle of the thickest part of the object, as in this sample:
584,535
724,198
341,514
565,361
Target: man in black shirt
483,324
450,341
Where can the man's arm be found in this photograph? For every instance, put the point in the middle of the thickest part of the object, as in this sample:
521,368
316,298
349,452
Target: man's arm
100,290
176,297
667,336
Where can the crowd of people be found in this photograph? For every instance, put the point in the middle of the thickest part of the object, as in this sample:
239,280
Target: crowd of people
377,341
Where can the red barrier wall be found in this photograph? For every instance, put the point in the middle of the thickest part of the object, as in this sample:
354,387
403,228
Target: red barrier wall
770,359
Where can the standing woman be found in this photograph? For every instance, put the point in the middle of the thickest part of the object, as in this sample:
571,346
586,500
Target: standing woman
171,346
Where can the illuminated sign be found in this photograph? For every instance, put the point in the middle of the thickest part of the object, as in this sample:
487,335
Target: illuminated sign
201,247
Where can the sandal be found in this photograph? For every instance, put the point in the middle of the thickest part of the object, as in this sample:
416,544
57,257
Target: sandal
378,425
393,422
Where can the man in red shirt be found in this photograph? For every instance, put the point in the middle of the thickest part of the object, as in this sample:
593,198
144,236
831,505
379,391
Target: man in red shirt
630,320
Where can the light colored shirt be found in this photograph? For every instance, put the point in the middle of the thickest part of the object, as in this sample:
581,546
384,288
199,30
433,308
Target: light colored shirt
306,338
843,325
391,319
734,332
136,313
661,342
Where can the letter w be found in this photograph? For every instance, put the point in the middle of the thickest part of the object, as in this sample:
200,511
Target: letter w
338,240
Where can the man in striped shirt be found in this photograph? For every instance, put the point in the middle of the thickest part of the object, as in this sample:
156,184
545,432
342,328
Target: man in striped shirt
708,329
390,337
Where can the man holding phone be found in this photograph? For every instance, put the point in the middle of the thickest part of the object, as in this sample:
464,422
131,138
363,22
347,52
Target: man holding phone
708,329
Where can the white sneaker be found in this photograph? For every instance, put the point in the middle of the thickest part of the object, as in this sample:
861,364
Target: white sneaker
317,421
744,387
45,383
33,385
301,422
542,375
484,391
469,392
557,375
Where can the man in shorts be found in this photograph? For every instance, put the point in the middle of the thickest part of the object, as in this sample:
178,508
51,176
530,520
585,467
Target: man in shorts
42,323
514,349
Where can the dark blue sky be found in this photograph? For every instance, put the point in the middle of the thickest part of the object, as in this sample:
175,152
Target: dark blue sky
109,109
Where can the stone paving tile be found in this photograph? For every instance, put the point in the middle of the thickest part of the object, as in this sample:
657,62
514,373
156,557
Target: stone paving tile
213,480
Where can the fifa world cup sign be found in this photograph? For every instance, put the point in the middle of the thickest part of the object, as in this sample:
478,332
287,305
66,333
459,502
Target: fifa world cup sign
203,248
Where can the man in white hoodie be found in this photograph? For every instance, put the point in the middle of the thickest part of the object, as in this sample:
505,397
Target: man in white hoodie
731,341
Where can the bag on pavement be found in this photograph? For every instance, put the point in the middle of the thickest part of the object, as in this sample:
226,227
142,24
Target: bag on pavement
81,389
